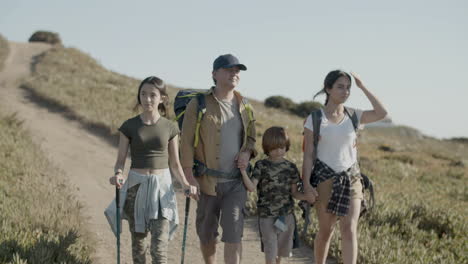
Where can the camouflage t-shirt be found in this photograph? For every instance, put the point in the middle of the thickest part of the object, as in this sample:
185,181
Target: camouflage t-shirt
274,187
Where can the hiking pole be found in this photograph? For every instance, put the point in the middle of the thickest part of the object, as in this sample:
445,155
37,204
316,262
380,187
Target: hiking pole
187,210
117,203
306,215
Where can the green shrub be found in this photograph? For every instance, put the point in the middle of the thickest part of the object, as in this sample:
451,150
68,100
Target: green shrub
280,102
463,140
46,36
386,148
305,108
302,110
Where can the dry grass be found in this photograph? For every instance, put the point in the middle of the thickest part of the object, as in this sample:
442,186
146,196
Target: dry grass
422,199
40,221
4,50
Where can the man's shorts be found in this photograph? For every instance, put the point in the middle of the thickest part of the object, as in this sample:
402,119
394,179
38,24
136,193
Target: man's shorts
225,209
276,243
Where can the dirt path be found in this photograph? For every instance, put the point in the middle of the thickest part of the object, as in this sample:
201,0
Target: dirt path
87,161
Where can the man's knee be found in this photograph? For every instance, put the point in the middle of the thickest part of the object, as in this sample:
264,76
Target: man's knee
209,248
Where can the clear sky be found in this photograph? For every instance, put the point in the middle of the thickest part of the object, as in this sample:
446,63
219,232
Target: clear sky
412,54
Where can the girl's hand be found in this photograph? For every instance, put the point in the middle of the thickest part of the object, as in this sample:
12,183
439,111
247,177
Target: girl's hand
310,193
117,180
358,80
310,198
191,191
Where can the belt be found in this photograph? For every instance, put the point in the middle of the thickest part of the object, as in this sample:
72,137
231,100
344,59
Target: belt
200,169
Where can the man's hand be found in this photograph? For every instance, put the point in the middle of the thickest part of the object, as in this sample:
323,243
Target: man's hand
243,160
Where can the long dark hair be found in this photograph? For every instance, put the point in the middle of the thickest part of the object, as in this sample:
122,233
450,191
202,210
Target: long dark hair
330,79
161,86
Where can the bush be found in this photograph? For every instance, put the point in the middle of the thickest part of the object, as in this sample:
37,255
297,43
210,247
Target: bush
460,140
305,108
280,102
46,36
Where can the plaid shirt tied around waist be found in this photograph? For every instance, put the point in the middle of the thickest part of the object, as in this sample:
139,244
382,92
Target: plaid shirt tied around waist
341,190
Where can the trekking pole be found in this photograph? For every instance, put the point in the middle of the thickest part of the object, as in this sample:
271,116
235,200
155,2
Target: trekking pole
187,210
117,203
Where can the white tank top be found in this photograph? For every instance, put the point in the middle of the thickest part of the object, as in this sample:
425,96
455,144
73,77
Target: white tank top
337,144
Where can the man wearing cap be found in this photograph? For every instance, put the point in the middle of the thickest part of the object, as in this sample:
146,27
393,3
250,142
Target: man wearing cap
226,143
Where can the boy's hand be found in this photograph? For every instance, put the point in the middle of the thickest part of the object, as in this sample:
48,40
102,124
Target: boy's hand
243,173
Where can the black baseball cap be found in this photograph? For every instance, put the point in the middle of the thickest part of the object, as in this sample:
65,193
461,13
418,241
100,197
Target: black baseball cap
227,61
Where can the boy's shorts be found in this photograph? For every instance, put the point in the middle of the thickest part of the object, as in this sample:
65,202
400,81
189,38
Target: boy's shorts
275,242
225,209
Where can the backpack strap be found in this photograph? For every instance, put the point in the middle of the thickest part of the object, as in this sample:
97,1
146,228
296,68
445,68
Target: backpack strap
249,110
201,110
351,112
316,122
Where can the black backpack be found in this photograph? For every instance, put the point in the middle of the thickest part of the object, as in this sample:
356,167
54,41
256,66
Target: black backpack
181,101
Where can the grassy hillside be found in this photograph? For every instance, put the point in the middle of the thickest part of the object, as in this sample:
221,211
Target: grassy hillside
4,50
422,198
40,219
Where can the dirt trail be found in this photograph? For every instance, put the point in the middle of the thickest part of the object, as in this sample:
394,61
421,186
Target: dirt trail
87,160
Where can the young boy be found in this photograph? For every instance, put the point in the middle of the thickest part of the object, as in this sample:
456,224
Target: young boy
275,179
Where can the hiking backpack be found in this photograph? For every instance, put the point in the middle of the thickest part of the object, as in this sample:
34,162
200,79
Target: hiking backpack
183,98
181,101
